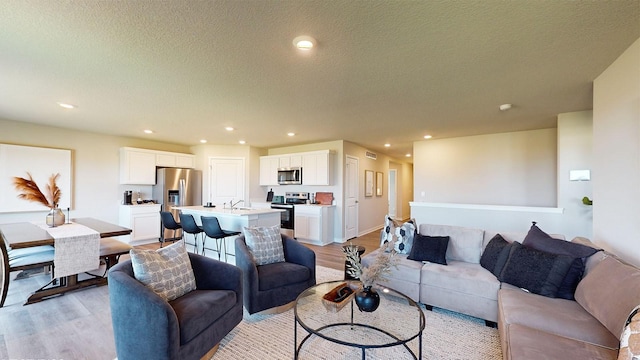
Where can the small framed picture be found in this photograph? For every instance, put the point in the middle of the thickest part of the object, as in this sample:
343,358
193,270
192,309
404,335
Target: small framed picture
368,183
379,176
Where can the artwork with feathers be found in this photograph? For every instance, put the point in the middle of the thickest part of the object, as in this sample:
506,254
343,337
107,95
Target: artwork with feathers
29,190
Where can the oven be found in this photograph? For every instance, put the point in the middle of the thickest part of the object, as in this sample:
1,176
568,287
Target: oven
286,218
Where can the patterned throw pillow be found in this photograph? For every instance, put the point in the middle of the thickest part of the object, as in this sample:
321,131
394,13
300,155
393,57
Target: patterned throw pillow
630,338
404,236
265,244
167,271
389,230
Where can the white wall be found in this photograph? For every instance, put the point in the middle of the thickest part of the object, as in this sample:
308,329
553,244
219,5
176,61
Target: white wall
95,167
575,143
616,148
516,168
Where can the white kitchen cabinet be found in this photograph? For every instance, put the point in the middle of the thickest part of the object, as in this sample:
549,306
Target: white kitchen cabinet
314,223
269,170
143,220
316,168
137,167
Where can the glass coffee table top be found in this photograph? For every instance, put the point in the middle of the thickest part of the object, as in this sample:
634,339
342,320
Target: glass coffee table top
396,321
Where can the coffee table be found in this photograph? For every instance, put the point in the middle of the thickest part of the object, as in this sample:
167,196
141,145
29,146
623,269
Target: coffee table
397,321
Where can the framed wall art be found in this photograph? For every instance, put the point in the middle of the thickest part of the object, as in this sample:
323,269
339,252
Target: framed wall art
379,176
368,183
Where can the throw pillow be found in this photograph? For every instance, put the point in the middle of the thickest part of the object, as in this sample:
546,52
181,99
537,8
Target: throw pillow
539,240
265,244
491,258
429,248
167,271
630,338
404,237
536,271
388,231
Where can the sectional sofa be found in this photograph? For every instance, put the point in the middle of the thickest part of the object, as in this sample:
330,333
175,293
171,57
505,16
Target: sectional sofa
531,326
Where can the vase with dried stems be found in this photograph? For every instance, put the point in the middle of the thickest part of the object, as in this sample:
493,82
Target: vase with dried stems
368,299
30,191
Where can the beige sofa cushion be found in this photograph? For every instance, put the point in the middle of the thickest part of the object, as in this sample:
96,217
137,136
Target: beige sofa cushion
561,317
463,277
609,292
525,343
465,244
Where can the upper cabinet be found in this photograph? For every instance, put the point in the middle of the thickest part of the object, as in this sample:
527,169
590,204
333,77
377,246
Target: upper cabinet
138,166
316,167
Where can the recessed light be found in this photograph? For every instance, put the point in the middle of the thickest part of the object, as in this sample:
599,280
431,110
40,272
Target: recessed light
229,128
304,43
203,141
427,136
66,106
387,145
291,134
148,131
408,155
242,142
505,107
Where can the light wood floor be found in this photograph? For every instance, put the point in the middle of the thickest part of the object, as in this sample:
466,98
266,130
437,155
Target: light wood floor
77,325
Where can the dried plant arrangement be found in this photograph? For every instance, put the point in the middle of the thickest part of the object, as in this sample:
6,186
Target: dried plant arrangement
378,270
30,191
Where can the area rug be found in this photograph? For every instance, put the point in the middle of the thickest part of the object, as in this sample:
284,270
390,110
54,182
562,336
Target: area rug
447,335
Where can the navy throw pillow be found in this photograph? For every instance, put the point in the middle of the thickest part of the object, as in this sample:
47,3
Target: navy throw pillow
540,240
429,248
536,271
491,256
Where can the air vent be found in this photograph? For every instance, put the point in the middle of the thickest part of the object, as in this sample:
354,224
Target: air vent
371,155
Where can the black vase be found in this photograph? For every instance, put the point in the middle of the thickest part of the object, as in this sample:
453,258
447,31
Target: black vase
367,299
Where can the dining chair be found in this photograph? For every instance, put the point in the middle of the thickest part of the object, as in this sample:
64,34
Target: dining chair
212,229
189,226
169,223
21,259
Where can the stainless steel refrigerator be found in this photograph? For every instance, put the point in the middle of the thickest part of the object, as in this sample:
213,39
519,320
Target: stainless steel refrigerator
177,187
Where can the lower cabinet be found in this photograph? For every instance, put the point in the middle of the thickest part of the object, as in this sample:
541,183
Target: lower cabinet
314,223
143,220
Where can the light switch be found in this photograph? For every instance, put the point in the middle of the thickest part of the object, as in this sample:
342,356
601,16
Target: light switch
579,175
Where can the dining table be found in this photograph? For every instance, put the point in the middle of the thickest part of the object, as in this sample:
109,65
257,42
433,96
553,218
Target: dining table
27,234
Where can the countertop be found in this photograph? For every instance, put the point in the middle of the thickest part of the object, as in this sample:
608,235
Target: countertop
240,211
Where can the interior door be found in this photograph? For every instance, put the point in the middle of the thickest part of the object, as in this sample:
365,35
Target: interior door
351,198
226,180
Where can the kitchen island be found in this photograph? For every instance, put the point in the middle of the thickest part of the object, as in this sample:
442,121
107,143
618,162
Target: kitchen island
233,220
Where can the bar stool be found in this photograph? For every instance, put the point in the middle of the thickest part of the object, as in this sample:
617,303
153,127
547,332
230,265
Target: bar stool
169,223
189,226
212,229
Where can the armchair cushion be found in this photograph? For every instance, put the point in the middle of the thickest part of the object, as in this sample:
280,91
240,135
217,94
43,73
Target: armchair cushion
281,274
198,309
265,244
167,271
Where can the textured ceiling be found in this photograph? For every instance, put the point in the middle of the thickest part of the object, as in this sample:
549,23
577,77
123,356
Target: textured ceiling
383,71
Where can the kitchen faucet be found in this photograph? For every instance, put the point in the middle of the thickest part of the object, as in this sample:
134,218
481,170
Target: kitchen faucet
233,206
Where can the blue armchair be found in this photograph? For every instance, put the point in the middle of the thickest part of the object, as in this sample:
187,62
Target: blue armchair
271,285
147,327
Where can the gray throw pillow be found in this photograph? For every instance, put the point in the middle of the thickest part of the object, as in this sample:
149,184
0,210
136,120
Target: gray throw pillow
167,271
265,244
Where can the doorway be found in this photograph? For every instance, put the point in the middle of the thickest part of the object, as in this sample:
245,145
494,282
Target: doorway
393,193
351,193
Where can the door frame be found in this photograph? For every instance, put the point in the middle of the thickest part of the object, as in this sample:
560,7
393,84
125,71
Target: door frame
356,182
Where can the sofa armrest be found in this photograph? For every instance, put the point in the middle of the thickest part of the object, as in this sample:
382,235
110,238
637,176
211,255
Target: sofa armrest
144,325
212,274
296,253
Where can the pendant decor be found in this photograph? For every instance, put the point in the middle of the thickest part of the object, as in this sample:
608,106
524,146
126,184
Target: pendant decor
367,299
55,217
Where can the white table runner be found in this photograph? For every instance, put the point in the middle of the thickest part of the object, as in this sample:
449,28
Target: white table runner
77,249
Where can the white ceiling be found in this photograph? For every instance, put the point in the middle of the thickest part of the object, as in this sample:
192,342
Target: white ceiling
383,71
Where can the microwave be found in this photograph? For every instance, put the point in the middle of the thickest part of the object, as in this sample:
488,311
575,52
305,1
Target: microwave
290,176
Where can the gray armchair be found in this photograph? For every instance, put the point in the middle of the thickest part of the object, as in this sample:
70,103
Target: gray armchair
271,285
147,327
